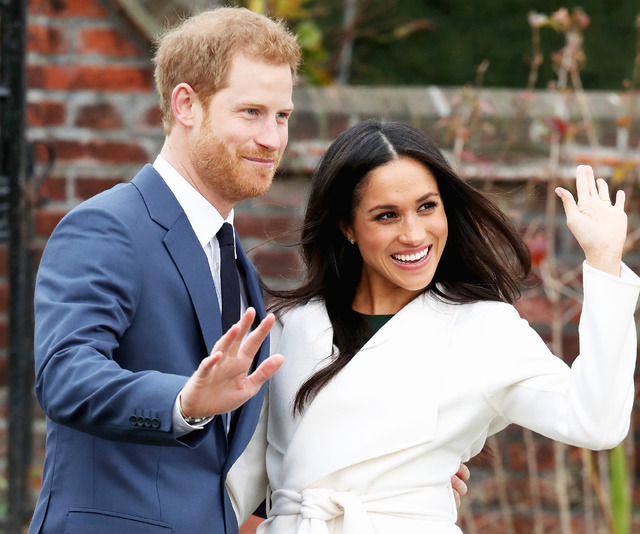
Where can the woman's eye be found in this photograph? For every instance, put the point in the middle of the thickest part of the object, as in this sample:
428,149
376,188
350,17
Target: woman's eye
385,216
428,206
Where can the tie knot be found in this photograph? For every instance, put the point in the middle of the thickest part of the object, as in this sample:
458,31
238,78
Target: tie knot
225,235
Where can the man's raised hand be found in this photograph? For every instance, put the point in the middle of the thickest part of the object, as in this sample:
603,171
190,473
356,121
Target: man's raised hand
222,383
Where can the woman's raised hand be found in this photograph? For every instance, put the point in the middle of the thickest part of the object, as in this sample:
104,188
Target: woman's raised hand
599,225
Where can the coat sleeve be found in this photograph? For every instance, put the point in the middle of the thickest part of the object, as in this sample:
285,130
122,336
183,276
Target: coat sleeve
87,288
587,404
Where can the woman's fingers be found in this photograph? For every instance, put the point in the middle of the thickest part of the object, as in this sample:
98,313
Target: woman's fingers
603,190
585,183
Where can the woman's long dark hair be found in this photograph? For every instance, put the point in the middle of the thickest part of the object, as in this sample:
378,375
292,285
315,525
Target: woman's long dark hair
484,258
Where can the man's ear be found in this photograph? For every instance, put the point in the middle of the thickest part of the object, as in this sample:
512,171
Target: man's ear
185,104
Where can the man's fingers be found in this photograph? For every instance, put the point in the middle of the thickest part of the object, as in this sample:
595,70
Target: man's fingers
208,363
265,371
255,339
234,335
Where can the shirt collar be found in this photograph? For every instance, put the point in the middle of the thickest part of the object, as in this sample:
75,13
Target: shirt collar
203,217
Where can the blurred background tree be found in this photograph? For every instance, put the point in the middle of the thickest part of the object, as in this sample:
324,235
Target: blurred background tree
442,42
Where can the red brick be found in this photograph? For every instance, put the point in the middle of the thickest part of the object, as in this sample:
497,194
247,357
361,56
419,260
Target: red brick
543,456
66,8
488,523
281,228
54,188
47,40
88,187
4,260
4,380
107,42
519,491
90,77
153,117
4,334
284,193
99,150
46,113
4,298
46,220
99,117
44,151
276,263
37,256
535,309
538,310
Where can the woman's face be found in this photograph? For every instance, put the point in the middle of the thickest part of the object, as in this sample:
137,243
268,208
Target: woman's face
400,227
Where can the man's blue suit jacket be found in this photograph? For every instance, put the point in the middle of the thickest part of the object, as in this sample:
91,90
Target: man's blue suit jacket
125,310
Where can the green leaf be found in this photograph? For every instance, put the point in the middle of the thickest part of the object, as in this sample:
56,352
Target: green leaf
309,35
620,499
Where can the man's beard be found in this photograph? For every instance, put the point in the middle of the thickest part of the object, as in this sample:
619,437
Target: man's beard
221,169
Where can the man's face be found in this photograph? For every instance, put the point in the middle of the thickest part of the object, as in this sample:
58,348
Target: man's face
236,147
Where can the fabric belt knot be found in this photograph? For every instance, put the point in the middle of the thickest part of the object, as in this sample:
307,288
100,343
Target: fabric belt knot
316,506
230,286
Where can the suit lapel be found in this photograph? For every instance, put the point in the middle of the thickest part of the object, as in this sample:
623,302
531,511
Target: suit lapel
185,250
192,263
190,260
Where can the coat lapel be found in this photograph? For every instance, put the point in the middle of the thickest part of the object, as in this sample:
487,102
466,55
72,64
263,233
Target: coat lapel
369,408
185,250
247,416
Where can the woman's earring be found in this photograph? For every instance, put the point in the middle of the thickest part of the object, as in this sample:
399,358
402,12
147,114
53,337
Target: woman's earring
352,241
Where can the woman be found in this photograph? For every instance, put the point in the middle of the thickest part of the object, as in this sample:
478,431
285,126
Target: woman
403,352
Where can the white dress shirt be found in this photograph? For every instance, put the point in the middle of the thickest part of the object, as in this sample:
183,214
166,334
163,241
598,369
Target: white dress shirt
206,221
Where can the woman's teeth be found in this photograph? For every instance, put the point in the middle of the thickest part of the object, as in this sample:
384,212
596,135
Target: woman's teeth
411,258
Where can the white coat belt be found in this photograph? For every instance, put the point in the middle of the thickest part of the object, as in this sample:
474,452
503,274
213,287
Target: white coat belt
316,506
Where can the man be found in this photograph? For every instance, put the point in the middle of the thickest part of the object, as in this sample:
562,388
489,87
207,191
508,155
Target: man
137,387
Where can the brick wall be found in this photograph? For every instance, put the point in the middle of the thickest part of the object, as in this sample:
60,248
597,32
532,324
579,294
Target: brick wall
91,97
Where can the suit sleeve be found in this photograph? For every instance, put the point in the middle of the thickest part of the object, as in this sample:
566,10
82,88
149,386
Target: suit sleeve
87,288
587,404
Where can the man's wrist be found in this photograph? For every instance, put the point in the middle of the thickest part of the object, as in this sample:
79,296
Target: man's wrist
187,419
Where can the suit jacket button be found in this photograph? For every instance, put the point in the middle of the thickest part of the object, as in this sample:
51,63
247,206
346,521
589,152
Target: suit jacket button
133,420
155,423
140,421
147,422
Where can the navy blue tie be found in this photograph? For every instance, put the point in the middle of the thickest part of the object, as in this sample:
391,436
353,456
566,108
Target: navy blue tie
229,285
